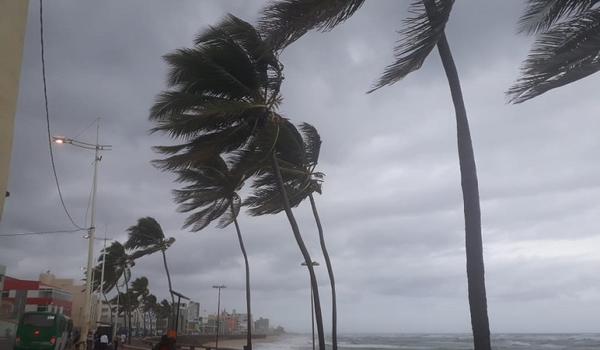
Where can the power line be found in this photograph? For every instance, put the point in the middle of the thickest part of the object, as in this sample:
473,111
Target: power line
39,233
62,201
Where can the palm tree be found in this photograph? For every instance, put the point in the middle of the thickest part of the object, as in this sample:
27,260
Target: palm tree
163,310
285,21
221,101
566,50
301,181
146,238
212,194
118,264
140,291
150,305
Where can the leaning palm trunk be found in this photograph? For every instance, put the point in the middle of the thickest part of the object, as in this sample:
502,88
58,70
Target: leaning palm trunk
171,317
109,307
470,190
248,308
305,254
128,311
329,271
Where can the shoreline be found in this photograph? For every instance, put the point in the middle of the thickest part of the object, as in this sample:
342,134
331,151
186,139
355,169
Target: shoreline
239,343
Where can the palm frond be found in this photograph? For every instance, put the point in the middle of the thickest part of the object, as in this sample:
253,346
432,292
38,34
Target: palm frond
202,218
220,71
541,15
146,233
312,143
564,54
231,214
244,34
419,36
285,21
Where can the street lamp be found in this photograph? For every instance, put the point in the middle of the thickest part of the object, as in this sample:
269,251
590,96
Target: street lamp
92,230
312,303
218,313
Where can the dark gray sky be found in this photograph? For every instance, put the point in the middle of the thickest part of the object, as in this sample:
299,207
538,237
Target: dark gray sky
391,204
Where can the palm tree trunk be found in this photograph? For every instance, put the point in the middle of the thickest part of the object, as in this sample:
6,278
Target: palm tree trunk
470,190
303,250
109,307
128,311
118,294
329,271
170,286
248,308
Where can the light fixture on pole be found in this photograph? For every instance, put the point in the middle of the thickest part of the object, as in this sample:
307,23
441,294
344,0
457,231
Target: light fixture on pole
312,306
92,230
218,314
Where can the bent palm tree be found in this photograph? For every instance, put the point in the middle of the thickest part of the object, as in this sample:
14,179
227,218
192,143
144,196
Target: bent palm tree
211,195
147,237
221,100
118,264
301,181
566,50
285,21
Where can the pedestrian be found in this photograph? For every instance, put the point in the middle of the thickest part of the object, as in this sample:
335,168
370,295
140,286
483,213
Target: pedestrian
103,342
123,338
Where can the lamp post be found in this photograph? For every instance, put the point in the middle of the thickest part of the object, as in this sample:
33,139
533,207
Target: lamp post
92,230
312,306
218,314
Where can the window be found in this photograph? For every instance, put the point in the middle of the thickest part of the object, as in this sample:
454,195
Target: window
38,320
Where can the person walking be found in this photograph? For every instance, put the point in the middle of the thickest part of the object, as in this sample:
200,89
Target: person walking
103,342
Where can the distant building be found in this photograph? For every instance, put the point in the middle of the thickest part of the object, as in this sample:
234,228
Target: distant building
261,326
78,296
193,318
19,296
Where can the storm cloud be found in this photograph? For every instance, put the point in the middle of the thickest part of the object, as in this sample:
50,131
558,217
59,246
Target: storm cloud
391,204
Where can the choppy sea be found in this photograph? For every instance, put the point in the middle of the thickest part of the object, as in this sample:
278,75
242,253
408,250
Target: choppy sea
443,342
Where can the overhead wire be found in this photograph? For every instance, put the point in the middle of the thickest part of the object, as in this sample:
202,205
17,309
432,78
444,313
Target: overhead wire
39,233
62,201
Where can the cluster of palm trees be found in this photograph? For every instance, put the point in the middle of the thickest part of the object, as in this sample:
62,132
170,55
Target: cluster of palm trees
113,272
221,108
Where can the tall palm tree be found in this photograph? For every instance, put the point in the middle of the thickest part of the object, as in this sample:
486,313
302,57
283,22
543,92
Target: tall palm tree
118,264
146,238
285,21
150,305
301,181
567,48
139,291
211,195
222,100
163,310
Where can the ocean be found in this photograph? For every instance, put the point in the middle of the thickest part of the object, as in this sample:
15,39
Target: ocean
442,342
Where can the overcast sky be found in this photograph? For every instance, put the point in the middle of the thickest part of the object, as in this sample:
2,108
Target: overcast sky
391,206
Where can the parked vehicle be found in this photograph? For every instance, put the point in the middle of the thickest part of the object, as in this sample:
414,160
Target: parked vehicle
43,331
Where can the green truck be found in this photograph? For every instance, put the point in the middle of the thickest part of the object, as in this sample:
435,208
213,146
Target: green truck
43,331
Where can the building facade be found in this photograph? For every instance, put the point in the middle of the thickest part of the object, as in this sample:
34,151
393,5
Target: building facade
19,296
261,326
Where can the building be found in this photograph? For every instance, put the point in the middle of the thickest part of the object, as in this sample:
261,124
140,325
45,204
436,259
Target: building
78,296
229,323
193,318
261,326
19,296
13,23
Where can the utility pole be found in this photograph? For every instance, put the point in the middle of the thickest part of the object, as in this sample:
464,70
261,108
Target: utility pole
218,314
87,322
